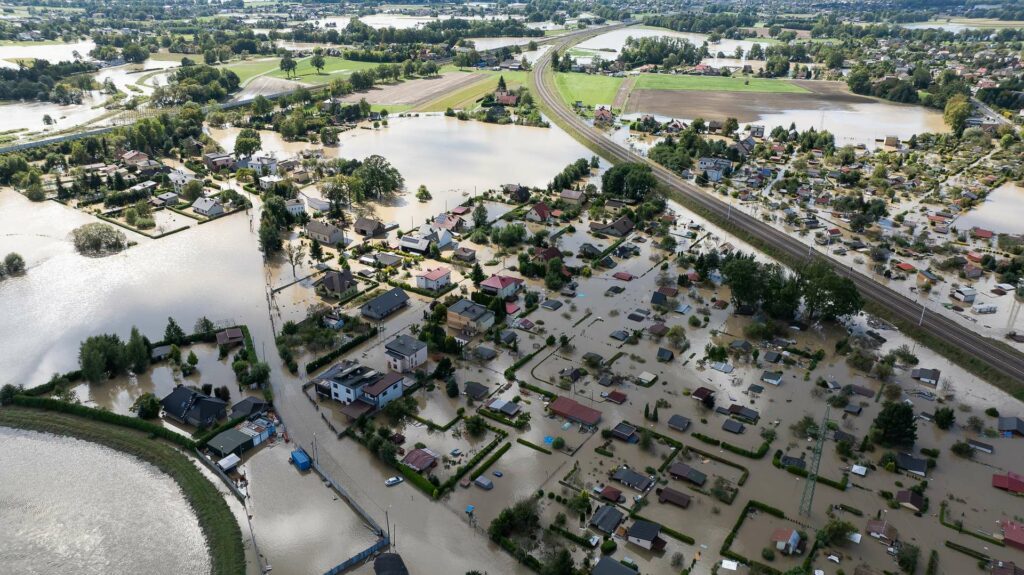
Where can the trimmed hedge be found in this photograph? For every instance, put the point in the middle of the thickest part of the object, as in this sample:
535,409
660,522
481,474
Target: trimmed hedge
579,540
670,532
333,355
490,461
462,470
706,439
975,534
538,390
510,373
105,417
604,452
761,451
202,437
533,446
418,480
502,419
968,551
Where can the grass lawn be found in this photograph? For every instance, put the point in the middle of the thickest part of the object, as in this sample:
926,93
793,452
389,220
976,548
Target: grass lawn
467,97
591,89
391,108
223,536
716,84
175,57
304,72
247,69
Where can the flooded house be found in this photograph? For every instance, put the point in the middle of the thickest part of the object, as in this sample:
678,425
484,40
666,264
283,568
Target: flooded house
193,407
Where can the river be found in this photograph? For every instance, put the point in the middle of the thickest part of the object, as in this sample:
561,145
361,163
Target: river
62,513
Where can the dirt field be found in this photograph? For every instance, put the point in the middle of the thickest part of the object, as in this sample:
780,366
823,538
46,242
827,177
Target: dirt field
416,92
265,85
745,107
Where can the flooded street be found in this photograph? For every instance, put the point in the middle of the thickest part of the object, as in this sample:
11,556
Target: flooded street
61,511
609,44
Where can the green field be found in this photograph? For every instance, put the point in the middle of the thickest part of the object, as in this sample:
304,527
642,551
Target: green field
304,72
247,69
591,89
174,56
467,97
716,84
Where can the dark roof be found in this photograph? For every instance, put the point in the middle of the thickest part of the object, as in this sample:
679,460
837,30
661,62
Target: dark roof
744,412
644,530
702,392
368,226
631,478
191,406
667,494
609,566
469,309
229,441
772,356
853,409
338,282
1012,425
607,518
678,422
732,426
389,564
681,470
383,384
623,431
665,354
790,461
385,304
475,390
249,406
911,498
485,353
570,409
910,463
405,344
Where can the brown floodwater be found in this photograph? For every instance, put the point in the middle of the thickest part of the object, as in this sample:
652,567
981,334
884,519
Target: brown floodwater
61,511
1002,211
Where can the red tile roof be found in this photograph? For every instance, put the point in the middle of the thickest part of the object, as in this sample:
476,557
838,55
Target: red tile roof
573,410
624,276
436,274
611,494
617,397
542,210
500,282
1010,482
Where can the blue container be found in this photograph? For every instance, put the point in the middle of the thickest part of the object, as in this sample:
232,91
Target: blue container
301,460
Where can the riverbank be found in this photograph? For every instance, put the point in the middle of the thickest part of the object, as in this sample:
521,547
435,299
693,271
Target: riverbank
223,536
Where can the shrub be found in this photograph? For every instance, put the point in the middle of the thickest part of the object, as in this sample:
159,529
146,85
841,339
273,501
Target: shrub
558,443
609,547
768,554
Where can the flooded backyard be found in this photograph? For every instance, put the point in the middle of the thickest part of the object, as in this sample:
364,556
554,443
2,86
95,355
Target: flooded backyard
61,512
1002,211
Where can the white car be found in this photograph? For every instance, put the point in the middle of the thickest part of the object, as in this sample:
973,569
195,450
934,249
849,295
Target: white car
393,481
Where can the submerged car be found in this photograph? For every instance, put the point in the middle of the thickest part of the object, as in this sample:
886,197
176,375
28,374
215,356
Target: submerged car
393,481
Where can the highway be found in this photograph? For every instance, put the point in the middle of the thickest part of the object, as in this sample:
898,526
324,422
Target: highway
999,356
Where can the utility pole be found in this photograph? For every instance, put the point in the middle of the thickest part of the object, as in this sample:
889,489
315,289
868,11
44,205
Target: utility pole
812,476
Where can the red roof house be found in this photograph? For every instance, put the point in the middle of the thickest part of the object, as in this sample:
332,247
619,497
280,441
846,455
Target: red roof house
540,212
616,397
611,494
574,411
624,276
982,233
420,460
1013,533
1009,481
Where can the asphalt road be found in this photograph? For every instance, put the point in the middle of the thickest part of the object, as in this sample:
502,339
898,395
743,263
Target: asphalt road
1000,357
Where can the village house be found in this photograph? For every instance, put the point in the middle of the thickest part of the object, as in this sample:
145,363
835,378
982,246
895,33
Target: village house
1008,481
217,161
405,353
268,182
420,459
359,388
385,304
540,212
786,540
684,472
607,519
325,233
464,254
882,530
673,496
608,565
339,284
368,227
192,407
572,410
435,279
645,534
208,207
503,287
179,178
619,228
412,243
912,500
632,479
295,207
468,317
573,197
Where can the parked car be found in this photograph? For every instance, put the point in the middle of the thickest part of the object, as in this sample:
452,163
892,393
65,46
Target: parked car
393,481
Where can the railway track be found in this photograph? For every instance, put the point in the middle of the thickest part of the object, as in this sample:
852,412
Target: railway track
1000,357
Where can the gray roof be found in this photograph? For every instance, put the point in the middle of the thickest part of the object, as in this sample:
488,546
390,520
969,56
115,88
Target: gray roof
324,228
684,471
385,304
338,281
607,518
678,422
1011,424
470,309
249,406
229,441
644,530
476,390
732,426
485,353
632,479
908,462
405,345
609,566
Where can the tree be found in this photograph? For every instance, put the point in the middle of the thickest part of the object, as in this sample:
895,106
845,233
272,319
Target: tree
743,274
101,355
553,278
944,417
907,557
676,336
13,264
558,443
962,449
270,238
835,532
956,112
501,84
137,351
261,106
629,180
247,142
559,563
192,360
192,190
479,216
477,275
294,255
452,389
204,327
147,406
287,65
377,178
730,126
423,194
316,251
827,293
895,425
173,333
318,61
475,424
7,393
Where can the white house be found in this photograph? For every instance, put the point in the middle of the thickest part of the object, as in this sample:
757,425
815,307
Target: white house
295,206
323,232
208,207
645,534
268,182
501,286
965,294
179,177
261,163
435,279
405,353
317,204
353,384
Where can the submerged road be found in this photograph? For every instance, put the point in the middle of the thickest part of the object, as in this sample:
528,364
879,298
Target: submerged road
997,355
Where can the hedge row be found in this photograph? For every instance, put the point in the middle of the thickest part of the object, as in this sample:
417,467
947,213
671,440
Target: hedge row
202,437
968,551
953,526
538,390
726,552
105,417
604,452
761,451
430,424
333,355
418,480
490,461
706,439
510,373
534,446
579,540
51,386
463,469
520,554
724,461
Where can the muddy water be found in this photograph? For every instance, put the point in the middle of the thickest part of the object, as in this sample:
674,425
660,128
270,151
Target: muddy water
609,44
50,52
498,42
860,123
62,513
1002,211
29,115
453,158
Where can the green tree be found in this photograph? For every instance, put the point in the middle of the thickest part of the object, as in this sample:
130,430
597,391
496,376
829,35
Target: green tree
558,443
895,425
452,389
316,251
204,327
270,238
13,264
100,356
173,332
7,393
479,216
146,406
287,65
247,142
192,359
944,417
956,112
553,278
318,61
835,532
377,178
475,424
743,274
261,106
477,275
137,351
